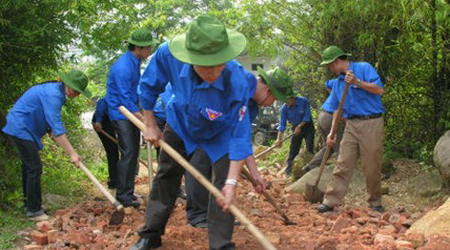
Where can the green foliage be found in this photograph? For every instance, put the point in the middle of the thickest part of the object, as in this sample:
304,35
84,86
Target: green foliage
9,225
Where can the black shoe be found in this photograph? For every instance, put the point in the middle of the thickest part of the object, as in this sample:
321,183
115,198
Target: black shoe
322,208
237,223
146,243
131,204
377,208
182,194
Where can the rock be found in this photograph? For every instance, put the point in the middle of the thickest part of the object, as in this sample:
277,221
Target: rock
53,199
382,239
403,245
52,235
426,184
434,222
44,226
33,247
437,242
441,157
384,188
298,186
417,240
273,237
38,237
339,224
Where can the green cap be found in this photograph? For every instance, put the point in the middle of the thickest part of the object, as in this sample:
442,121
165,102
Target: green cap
207,43
76,80
331,53
142,37
280,83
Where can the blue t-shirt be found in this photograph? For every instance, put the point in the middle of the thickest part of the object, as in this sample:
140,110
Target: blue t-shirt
122,85
101,111
358,101
299,112
160,108
36,112
213,116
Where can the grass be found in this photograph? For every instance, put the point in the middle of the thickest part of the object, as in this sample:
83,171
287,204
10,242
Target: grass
10,224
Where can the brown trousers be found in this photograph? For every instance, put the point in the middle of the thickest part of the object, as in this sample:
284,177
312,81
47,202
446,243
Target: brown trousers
362,139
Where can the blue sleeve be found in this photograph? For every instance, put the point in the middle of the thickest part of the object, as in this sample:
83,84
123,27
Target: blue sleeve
251,79
155,77
307,114
282,126
100,110
371,75
52,101
123,77
240,144
329,84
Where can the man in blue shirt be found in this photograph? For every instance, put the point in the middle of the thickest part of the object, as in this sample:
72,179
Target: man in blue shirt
324,123
101,122
263,91
208,111
122,85
363,135
298,112
37,112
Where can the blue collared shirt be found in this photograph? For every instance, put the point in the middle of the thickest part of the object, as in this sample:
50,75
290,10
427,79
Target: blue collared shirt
122,85
326,105
358,101
213,116
297,113
36,112
101,111
163,100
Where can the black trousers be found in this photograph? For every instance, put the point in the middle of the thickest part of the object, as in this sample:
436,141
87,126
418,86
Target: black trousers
197,195
165,190
307,133
31,173
112,152
128,136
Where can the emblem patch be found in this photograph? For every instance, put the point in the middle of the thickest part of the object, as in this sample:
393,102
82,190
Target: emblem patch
242,111
212,114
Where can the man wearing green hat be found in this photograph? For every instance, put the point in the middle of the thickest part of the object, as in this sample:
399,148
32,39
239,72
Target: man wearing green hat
37,112
263,90
208,112
298,112
122,87
363,134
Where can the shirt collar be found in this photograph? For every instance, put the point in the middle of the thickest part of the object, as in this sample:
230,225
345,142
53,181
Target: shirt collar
188,72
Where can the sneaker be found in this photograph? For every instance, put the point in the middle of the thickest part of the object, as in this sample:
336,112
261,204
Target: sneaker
377,208
322,208
37,216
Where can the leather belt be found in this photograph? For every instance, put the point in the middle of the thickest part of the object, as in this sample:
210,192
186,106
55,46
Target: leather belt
365,117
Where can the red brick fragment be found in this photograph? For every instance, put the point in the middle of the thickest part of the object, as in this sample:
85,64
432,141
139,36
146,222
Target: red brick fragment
38,237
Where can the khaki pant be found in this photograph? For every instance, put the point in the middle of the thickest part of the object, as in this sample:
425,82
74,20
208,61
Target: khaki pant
362,139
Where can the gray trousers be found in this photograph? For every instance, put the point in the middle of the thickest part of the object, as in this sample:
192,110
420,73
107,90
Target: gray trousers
165,190
325,120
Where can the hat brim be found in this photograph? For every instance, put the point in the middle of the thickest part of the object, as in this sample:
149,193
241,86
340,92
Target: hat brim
153,42
237,44
326,62
278,94
66,80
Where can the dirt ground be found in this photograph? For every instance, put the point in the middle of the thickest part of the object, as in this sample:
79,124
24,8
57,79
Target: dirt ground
351,226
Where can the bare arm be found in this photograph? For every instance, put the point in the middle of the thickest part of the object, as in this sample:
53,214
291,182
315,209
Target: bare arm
229,190
65,144
153,133
367,86
252,167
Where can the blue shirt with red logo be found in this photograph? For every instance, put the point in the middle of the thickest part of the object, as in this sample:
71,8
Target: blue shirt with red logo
37,112
213,116
122,85
358,102
297,113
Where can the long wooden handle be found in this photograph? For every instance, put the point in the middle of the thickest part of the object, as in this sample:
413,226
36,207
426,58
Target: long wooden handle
105,192
200,178
334,126
150,165
272,147
269,198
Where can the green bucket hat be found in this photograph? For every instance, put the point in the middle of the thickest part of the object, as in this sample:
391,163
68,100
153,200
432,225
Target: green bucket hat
280,83
331,53
76,80
207,43
142,37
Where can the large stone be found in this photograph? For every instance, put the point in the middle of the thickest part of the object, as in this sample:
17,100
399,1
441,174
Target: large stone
426,184
434,222
442,157
356,182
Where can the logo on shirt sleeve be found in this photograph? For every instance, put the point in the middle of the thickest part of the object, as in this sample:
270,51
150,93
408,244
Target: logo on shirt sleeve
212,114
242,111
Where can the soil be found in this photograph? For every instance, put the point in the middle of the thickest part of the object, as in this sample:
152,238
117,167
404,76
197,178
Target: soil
351,226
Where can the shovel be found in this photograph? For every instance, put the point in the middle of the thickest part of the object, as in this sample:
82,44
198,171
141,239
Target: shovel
266,244
119,214
312,193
